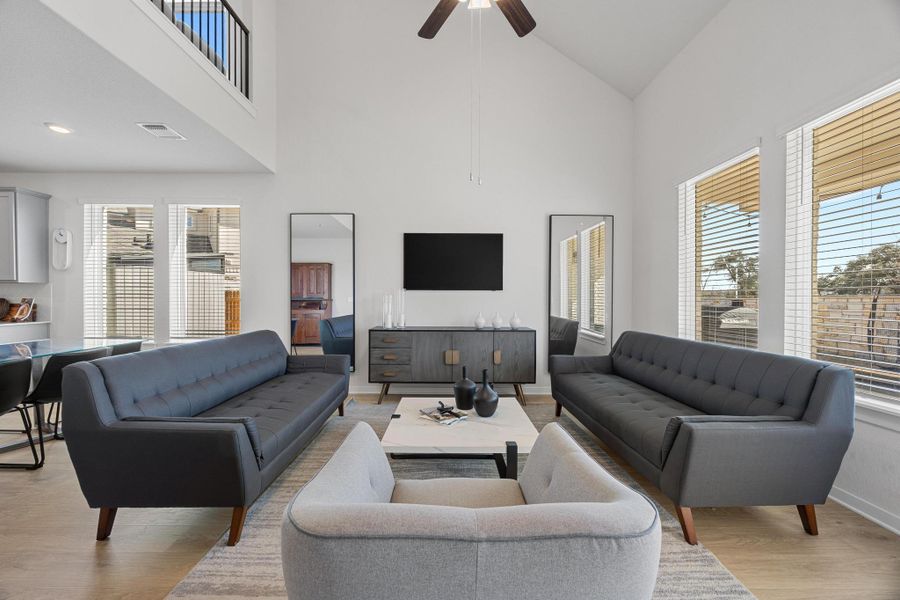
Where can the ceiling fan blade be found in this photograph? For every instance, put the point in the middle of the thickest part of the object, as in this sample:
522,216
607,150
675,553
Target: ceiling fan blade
437,19
517,15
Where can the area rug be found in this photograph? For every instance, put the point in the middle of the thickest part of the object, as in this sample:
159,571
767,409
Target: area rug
252,569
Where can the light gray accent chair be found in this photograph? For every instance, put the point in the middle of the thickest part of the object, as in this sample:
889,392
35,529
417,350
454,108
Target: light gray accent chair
566,529
209,423
714,425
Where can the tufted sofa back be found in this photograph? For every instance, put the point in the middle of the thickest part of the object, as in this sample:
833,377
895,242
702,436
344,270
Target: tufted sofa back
186,380
717,379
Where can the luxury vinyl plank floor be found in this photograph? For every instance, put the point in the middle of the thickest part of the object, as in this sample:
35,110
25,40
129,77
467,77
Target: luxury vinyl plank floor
47,547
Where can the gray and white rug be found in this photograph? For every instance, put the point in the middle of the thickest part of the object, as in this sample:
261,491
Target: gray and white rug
252,569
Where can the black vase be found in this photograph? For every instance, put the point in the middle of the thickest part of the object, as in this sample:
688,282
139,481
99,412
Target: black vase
486,399
464,392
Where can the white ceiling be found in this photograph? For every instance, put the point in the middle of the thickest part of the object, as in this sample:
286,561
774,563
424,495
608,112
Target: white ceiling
626,43
48,71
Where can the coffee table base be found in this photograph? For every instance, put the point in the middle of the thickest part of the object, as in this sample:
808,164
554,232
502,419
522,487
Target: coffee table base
507,465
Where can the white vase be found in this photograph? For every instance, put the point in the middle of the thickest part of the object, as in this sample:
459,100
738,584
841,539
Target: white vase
497,322
387,314
515,322
479,321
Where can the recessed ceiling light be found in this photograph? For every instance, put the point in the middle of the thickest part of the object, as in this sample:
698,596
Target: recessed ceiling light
57,128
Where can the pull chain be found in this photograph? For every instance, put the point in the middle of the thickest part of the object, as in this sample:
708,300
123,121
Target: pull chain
477,59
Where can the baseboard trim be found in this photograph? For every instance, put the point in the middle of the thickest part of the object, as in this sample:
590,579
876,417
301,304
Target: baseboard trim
866,509
408,389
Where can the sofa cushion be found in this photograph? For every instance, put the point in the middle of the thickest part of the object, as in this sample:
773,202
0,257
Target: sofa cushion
189,379
636,415
717,379
283,407
462,493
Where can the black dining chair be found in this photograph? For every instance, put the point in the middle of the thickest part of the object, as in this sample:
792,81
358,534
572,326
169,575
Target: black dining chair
15,379
127,348
48,390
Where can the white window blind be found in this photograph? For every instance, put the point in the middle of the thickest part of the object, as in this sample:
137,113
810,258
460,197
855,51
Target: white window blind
842,269
583,264
204,271
118,271
718,225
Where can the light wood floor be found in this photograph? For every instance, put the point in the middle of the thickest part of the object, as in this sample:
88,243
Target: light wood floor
47,547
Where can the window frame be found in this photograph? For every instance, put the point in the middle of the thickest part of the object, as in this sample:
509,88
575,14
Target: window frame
583,279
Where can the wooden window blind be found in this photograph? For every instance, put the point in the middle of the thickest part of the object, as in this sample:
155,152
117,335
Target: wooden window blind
844,196
570,266
596,272
118,271
719,254
204,271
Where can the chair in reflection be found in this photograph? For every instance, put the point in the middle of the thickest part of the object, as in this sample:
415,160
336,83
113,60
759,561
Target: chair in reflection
563,336
15,379
48,390
128,348
336,335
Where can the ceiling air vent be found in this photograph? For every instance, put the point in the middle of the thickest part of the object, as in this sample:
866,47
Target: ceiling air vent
161,130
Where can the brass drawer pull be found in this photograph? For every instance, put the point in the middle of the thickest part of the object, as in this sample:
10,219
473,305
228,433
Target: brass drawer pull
390,340
498,357
390,357
451,357
389,374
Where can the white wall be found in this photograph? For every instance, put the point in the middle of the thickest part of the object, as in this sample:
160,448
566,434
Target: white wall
375,121
760,68
137,33
338,252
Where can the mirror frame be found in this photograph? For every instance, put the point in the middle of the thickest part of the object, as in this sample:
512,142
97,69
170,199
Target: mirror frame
611,277
290,262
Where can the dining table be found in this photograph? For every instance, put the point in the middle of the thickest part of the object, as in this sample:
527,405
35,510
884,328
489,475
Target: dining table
37,350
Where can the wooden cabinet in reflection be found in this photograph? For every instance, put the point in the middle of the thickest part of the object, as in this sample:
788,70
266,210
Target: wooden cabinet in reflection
311,300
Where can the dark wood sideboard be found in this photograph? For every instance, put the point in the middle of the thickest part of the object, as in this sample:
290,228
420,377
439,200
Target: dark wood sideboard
438,354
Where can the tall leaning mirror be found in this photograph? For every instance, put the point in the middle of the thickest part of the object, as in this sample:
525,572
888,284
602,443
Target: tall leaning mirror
581,253
323,284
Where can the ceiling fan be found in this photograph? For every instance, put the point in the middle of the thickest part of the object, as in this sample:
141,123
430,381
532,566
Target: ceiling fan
514,11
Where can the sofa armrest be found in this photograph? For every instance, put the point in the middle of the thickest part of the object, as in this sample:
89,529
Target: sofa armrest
337,364
561,364
675,423
753,462
249,424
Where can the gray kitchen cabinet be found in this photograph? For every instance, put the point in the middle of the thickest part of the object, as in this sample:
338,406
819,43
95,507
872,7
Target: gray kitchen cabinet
24,236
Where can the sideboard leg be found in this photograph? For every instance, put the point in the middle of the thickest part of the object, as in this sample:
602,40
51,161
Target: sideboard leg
384,390
520,394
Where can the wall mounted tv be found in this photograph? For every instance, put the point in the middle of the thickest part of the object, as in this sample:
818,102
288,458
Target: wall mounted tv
453,261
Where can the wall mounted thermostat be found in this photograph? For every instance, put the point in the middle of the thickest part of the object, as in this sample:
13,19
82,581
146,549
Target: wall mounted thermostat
62,249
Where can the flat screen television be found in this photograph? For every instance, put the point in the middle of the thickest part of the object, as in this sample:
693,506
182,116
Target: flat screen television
453,261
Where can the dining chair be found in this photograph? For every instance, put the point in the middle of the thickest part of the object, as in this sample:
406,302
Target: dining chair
127,348
48,390
15,379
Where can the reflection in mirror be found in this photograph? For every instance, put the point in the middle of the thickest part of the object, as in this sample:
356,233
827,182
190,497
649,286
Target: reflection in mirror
323,284
581,249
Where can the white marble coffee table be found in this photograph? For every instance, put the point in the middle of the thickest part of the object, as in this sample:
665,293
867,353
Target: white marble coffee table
500,437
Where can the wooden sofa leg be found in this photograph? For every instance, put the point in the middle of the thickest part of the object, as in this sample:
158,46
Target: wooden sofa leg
808,518
558,409
237,524
105,523
341,409
686,518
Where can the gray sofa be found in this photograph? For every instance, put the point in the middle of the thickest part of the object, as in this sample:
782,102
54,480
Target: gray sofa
210,423
566,529
714,425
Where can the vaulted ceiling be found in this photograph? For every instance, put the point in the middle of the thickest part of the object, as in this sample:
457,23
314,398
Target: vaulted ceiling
626,43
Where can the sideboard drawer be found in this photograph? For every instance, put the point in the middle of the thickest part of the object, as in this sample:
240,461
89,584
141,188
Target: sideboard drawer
390,339
389,373
390,356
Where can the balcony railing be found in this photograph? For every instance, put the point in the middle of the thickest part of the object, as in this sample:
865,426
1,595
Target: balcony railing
216,30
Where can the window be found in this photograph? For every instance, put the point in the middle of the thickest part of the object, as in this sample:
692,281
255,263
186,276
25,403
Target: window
583,258
118,271
842,271
204,271
718,263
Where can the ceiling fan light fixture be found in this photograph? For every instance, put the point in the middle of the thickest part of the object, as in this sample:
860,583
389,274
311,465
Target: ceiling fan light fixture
476,4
